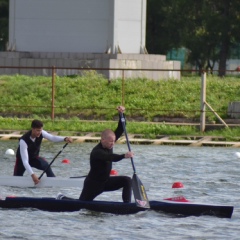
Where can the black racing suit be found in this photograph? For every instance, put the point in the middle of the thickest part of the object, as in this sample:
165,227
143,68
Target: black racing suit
99,179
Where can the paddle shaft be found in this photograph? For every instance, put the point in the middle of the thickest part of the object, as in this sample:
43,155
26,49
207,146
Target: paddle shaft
139,192
129,147
52,161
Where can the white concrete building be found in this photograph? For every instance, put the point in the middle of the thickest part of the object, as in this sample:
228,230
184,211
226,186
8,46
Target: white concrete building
92,26
75,34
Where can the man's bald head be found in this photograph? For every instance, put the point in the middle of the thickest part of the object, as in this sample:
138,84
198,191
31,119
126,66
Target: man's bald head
108,138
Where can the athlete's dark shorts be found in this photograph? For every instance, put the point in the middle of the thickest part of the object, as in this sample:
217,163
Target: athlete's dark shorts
92,189
38,163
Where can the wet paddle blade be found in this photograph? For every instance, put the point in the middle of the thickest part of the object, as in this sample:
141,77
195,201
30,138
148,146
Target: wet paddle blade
139,192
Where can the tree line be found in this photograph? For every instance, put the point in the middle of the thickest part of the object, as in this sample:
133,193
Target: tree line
209,29
4,13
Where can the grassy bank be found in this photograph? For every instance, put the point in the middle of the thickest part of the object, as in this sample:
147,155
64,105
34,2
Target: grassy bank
92,97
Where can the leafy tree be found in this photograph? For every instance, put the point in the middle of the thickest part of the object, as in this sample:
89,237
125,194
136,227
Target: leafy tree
162,33
208,28
228,26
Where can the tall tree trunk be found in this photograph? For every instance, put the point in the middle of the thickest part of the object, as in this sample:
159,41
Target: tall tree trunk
225,44
223,57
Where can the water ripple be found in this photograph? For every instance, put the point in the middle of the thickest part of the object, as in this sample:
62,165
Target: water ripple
209,175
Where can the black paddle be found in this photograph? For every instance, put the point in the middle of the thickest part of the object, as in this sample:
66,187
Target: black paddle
139,192
52,161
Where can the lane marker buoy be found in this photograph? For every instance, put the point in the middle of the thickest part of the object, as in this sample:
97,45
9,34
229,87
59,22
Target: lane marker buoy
237,154
11,196
9,152
113,172
65,161
177,199
177,185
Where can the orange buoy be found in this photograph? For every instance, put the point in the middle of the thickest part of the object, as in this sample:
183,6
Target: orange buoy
177,185
65,161
113,172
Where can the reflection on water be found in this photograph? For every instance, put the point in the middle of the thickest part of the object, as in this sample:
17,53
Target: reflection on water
209,174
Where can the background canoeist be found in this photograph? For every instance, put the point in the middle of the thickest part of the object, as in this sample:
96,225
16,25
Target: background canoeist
27,155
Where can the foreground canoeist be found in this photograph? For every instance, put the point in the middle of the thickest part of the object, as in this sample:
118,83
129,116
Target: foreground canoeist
167,206
98,179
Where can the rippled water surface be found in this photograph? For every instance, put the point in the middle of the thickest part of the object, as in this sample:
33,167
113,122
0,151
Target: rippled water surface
209,175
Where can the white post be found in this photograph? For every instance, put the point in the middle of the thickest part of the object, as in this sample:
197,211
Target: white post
203,100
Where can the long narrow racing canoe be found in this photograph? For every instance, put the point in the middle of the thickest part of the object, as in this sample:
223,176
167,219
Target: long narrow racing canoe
15,181
26,181
167,206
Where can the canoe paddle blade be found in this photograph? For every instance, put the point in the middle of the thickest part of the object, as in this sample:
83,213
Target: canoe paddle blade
139,192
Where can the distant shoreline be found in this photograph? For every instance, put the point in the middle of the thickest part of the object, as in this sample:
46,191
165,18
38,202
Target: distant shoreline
191,141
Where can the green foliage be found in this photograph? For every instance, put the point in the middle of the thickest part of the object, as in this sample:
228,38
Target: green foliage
92,97
79,99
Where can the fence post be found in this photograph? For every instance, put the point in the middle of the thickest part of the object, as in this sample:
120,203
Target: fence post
53,91
203,100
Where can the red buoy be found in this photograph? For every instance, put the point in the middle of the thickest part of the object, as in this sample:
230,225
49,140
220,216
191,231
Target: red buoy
113,172
177,185
238,69
177,199
11,196
65,161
